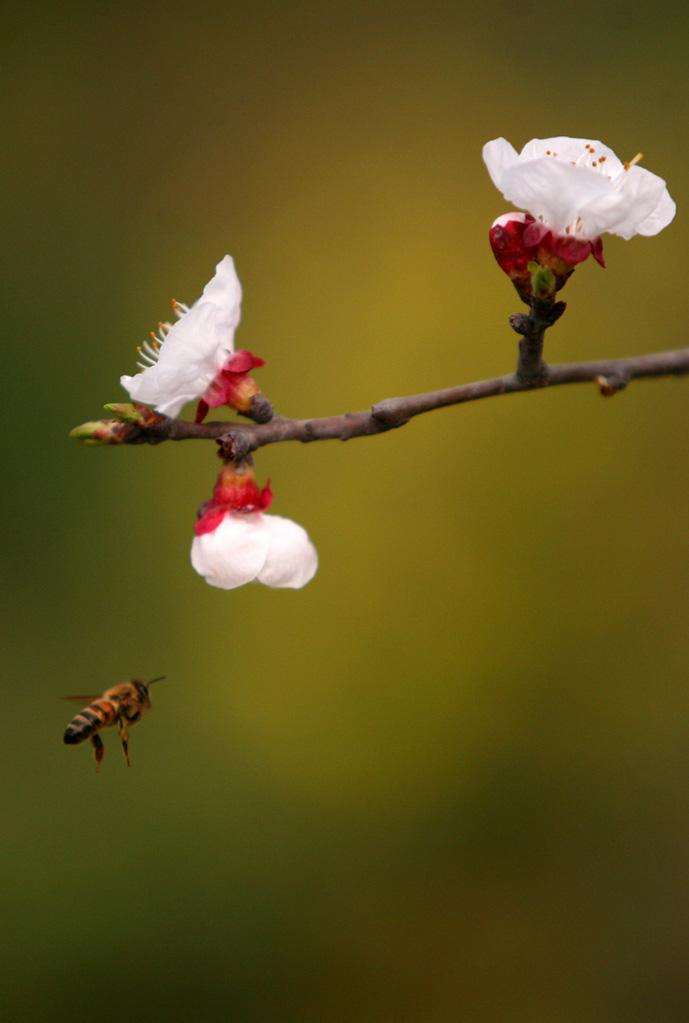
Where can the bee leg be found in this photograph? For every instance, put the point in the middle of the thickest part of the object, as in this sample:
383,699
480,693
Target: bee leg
98,746
124,736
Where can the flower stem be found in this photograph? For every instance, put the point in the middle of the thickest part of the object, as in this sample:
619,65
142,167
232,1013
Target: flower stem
531,370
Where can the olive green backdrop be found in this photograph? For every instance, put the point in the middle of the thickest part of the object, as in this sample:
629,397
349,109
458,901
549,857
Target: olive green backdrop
448,780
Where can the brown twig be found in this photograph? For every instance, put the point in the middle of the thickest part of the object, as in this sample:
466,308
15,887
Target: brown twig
531,369
240,439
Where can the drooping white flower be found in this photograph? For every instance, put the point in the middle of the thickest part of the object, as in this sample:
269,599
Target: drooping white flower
186,357
578,188
244,548
237,543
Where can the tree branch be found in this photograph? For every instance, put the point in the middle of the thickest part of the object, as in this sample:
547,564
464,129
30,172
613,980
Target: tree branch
240,439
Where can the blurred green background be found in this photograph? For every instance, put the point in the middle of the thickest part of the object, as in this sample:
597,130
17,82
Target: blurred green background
448,780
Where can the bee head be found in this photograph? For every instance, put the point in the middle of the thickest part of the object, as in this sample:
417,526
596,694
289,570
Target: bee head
142,688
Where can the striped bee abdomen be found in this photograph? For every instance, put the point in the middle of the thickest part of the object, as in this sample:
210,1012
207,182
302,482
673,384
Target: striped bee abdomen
89,721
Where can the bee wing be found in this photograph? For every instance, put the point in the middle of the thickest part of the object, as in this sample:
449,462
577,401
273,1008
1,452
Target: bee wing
83,700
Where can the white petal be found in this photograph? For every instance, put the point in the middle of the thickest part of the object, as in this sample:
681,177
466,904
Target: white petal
571,150
642,193
234,553
225,291
194,348
189,359
661,216
580,186
292,559
498,155
553,191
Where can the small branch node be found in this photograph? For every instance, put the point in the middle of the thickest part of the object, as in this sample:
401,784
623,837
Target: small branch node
390,413
535,378
556,312
610,384
234,447
261,410
521,323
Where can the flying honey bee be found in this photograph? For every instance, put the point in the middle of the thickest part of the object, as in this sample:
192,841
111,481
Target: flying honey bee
122,705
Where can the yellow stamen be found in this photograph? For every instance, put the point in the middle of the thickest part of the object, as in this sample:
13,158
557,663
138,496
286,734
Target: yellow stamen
639,156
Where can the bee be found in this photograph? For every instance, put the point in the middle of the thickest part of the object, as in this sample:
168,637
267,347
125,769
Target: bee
122,705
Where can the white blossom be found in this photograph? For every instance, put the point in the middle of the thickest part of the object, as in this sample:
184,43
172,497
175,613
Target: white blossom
186,357
579,187
245,548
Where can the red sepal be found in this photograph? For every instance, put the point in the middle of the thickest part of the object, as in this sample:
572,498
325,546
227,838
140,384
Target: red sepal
266,496
569,249
233,492
597,250
232,385
210,521
512,245
242,362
